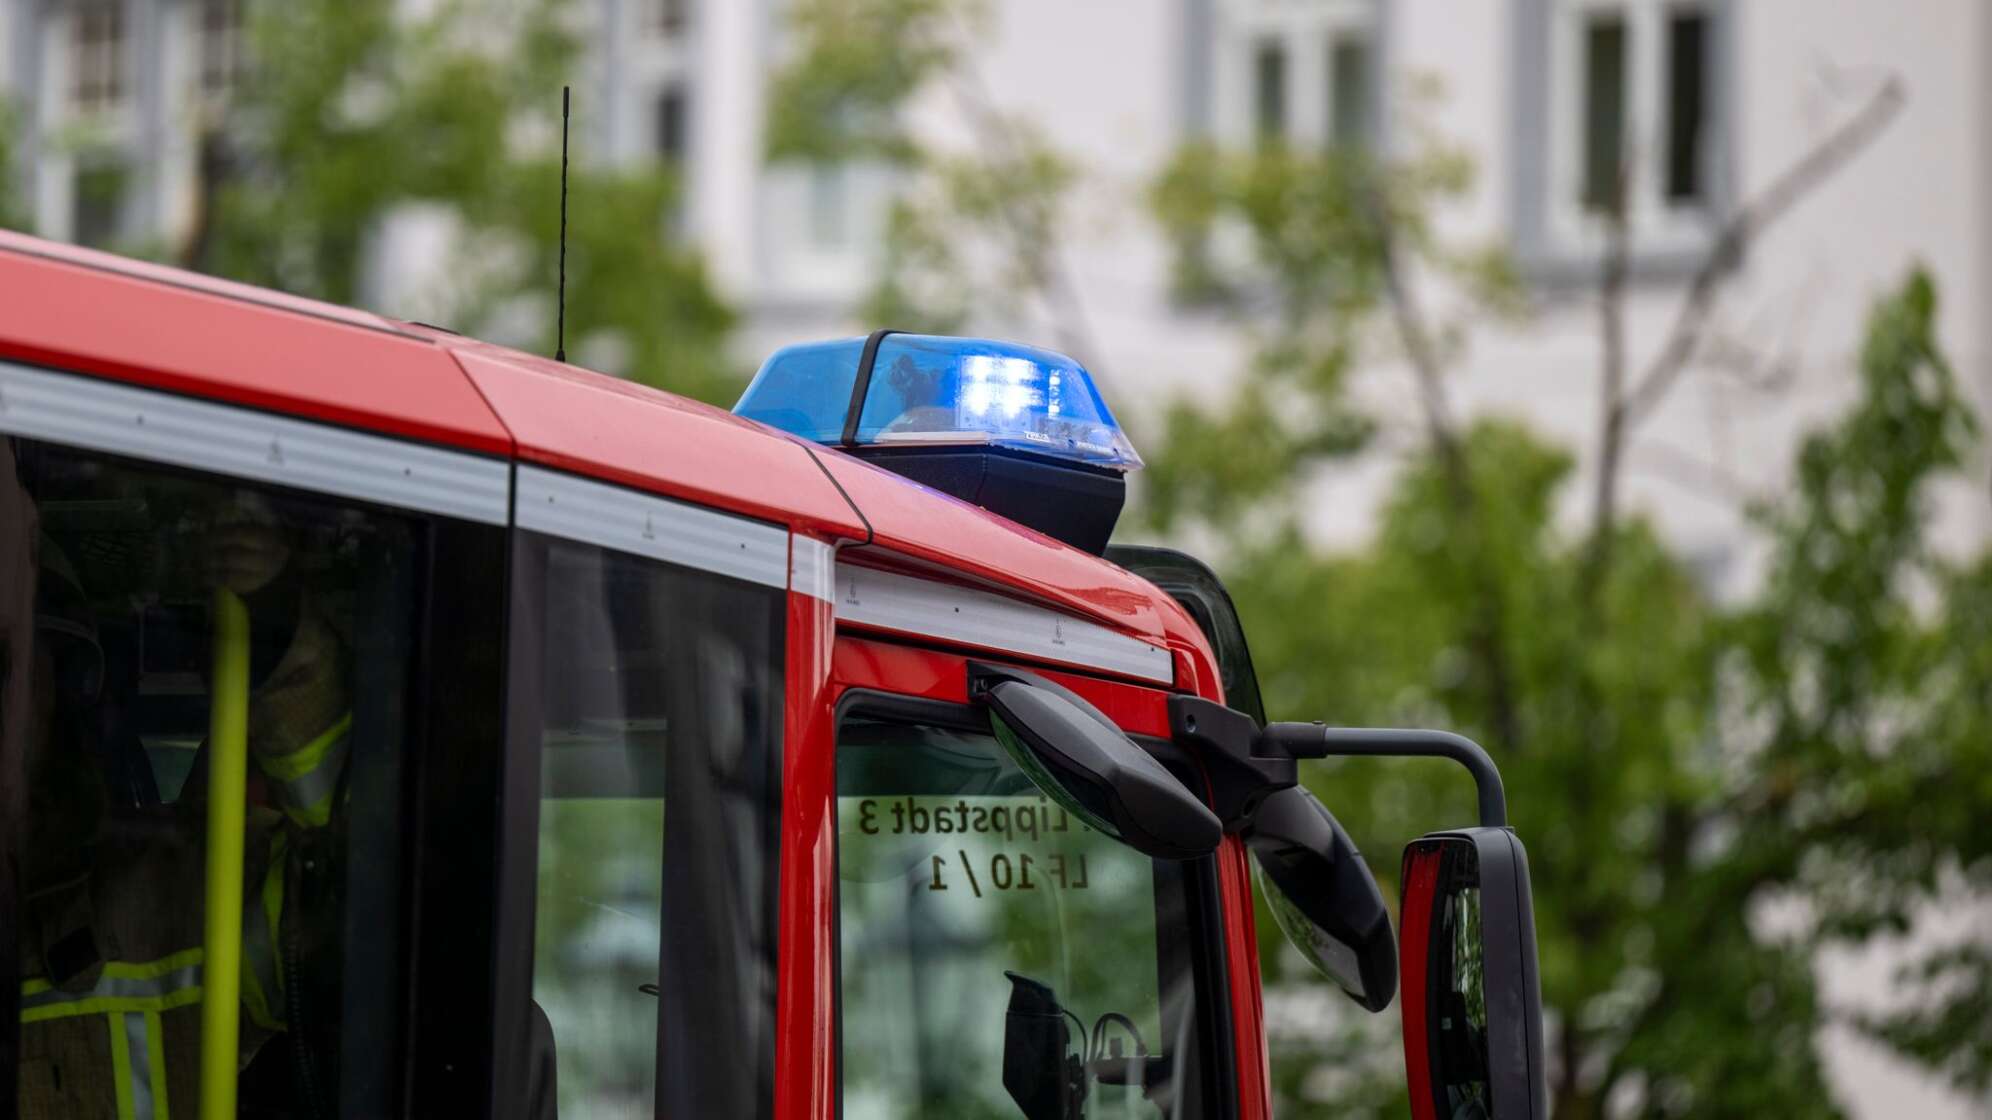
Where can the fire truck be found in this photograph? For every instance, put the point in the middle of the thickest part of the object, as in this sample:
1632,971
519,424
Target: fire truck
394,724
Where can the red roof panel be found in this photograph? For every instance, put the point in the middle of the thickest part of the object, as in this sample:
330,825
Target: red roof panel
94,313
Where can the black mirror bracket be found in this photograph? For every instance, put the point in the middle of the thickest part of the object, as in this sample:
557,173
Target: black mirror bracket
1245,762
1318,740
1231,747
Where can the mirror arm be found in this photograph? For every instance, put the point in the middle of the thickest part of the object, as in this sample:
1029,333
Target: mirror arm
1315,740
1245,763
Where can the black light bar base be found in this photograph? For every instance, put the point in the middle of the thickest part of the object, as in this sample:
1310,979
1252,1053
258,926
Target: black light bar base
1075,504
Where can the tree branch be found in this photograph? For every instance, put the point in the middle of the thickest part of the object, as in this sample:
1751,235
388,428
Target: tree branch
1426,367
1488,638
1749,222
1611,397
214,167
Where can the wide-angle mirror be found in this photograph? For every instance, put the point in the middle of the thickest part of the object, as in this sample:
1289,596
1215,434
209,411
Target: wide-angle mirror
1078,758
1323,895
1472,1001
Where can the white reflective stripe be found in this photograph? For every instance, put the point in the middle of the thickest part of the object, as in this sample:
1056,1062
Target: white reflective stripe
812,568
140,1048
628,521
182,431
110,987
316,784
910,605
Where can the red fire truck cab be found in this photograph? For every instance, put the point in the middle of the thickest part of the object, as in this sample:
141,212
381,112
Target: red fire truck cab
396,724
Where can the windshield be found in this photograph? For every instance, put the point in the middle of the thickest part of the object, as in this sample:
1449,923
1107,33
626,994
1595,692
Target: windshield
998,956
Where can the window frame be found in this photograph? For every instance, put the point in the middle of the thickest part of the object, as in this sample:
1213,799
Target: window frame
1210,968
1225,70
100,72
1559,242
666,19
574,509
221,30
444,744
670,123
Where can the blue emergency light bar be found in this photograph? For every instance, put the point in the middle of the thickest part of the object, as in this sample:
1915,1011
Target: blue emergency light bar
917,390
1014,429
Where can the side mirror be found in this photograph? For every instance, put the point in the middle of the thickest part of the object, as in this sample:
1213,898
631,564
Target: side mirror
1472,1000
1323,895
1040,1072
1079,759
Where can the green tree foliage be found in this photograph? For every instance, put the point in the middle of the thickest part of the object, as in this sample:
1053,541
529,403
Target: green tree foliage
856,64
1710,792
353,110
1289,243
13,211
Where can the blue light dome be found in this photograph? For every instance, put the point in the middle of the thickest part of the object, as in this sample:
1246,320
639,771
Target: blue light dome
938,391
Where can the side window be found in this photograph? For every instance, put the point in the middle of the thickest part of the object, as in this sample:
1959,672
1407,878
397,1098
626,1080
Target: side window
997,955
660,705
138,605
1621,106
1306,75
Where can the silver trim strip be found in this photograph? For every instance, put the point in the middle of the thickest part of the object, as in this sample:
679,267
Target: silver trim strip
645,525
890,601
204,435
812,568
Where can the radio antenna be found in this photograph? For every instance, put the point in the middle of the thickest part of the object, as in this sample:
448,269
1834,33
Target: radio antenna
560,299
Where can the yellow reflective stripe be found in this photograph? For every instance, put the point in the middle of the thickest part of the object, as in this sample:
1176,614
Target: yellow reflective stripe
306,779
254,998
109,1004
318,814
261,978
155,1052
290,767
121,1065
123,986
128,970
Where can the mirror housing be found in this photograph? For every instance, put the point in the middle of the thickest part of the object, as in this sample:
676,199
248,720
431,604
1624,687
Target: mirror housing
1040,1072
1082,761
1472,998
1324,895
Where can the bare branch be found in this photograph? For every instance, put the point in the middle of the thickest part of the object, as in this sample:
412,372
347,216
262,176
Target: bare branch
1611,396
1488,637
1754,369
1426,366
1691,473
1750,221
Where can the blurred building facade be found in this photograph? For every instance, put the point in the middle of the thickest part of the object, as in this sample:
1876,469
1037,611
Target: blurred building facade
1714,99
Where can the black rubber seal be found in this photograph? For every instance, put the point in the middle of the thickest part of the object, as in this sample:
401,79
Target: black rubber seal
862,385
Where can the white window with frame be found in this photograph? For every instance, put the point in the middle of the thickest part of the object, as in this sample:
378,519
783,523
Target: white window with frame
664,19
661,82
1301,72
223,42
99,193
668,136
98,57
1621,103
